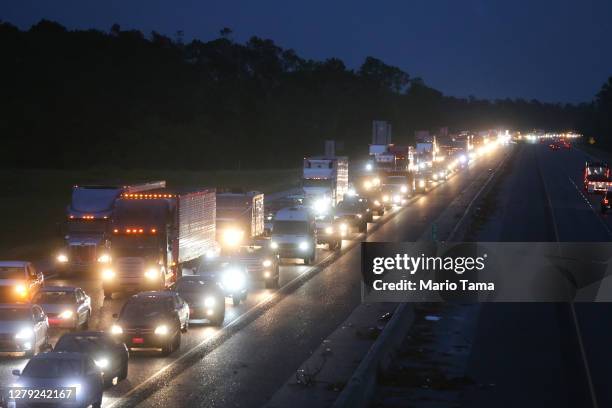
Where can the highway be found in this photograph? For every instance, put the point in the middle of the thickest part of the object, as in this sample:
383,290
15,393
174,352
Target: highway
264,340
535,355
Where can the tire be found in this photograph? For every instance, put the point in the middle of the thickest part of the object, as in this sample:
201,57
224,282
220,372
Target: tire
108,294
169,347
85,324
218,322
236,300
177,343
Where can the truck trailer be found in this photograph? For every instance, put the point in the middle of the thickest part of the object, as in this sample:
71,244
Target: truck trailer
87,223
157,234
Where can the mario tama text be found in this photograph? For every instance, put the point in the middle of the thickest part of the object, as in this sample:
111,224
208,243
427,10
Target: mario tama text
486,272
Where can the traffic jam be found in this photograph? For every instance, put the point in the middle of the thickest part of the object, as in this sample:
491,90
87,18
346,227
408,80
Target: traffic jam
177,258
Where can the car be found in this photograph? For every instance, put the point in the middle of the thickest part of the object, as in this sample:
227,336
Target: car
153,320
554,146
19,281
231,275
75,371
66,307
262,264
109,354
353,212
329,232
206,299
23,328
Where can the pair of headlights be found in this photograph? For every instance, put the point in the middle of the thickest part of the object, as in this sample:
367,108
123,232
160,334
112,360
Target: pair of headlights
160,330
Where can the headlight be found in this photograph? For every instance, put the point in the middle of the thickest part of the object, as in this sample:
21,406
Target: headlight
161,330
343,227
21,289
234,280
303,246
397,199
385,198
104,258
376,181
321,206
367,185
66,314
232,236
421,183
404,189
359,216
116,329
108,274
24,334
329,230
435,176
102,362
376,203
273,245
62,258
209,301
267,263
151,274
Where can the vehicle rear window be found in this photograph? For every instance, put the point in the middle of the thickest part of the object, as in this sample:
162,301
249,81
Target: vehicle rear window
12,272
59,297
52,368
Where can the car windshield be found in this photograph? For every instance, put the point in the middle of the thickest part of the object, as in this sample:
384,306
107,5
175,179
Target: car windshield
15,314
55,297
76,226
82,344
12,272
190,286
290,227
52,368
145,309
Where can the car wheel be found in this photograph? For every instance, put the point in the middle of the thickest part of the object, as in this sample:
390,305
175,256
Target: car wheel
236,299
218,321
185,327
85,325
168,348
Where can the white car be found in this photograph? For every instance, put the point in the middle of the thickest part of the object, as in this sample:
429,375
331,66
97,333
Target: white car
66,307
23,328
19,281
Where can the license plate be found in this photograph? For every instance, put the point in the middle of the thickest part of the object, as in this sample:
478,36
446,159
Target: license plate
137,340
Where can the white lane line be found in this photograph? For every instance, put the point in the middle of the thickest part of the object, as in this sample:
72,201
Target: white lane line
588,203
583,355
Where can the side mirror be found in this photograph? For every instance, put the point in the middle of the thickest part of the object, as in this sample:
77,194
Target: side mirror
16,373
115,315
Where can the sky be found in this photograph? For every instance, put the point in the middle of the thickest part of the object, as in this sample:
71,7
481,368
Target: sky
551,50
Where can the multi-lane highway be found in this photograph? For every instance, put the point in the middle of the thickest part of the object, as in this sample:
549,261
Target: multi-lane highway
264,340
545,354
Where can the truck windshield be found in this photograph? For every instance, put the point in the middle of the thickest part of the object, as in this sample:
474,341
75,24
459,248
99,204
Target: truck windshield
86,226
12,272
134,245
93,199
596,171
290,227
317,182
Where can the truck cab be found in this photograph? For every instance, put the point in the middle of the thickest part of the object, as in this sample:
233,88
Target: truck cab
294,234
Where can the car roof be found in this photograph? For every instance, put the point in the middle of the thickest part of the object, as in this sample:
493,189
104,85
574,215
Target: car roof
14,264
58,289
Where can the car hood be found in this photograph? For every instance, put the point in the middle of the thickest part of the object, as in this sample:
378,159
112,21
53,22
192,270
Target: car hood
9,327
11,282
290,239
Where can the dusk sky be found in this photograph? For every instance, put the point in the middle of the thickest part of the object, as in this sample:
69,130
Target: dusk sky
552,50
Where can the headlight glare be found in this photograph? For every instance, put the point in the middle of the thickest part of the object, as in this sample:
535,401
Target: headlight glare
104,258
209,301
267,263
102,362
161,330
66,314
108,274
116,329
62,258
24,334
303,245
151,274
273,245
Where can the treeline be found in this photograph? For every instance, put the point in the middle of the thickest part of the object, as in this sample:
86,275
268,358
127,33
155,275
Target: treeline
74,99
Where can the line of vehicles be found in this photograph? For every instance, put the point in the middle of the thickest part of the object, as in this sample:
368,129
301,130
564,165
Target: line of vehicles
181,254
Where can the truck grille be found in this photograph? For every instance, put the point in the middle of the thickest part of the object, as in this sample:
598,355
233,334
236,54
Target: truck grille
130,267
83,254
253,265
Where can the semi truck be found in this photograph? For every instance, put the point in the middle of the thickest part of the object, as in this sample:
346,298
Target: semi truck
157,234
240,218
87,222
325,181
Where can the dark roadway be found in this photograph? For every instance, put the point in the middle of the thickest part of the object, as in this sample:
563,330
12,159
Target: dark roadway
536,355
